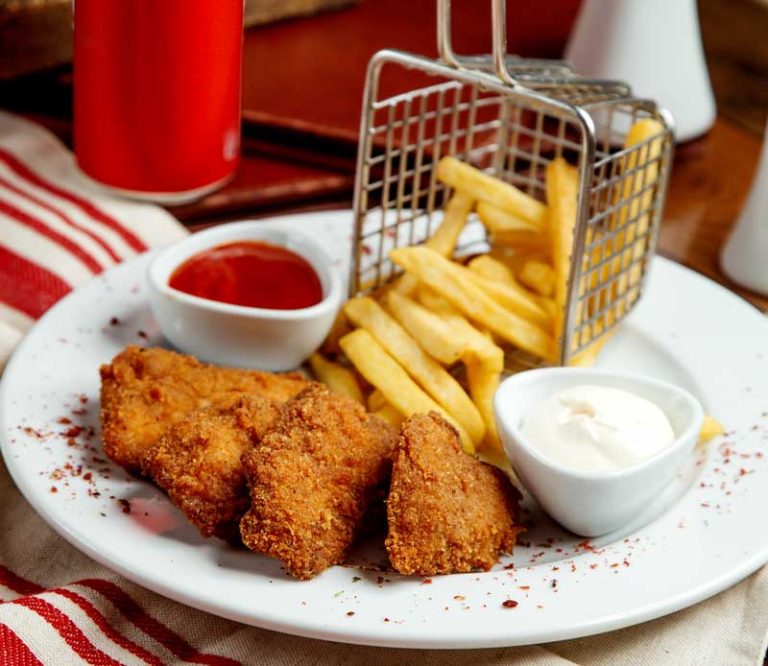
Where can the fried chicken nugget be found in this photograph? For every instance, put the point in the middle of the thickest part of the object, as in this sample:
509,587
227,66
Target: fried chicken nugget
146,391
197,462
447,511
312,479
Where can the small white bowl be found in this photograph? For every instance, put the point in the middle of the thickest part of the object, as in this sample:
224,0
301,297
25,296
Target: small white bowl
593,504
238,335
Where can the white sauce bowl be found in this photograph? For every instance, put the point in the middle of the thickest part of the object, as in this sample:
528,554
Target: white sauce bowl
593,503
238,335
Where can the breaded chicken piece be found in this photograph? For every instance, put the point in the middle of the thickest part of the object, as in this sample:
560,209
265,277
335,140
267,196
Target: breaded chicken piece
146,391
447,511
197,462
312,479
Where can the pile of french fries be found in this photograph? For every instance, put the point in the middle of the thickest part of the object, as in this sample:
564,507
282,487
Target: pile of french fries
433,339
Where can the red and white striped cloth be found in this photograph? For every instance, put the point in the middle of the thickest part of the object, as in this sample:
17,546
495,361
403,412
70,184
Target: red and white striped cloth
59,607
57,229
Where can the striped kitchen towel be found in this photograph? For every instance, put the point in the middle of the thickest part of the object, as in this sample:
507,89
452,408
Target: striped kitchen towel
57,229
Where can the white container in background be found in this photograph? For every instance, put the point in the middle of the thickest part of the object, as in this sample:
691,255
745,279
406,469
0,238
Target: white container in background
655,46
744,258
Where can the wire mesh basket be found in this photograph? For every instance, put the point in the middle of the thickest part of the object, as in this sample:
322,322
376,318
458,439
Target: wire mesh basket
510,117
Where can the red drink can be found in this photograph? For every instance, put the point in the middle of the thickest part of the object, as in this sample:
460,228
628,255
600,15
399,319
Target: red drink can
157,95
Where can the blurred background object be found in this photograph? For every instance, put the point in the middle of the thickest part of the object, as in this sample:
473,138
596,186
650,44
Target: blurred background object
34,35
37,34
735,36
258,12
745,254
157,95
655,46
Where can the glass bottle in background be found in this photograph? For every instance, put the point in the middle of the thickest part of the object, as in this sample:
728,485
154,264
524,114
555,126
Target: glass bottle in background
157,95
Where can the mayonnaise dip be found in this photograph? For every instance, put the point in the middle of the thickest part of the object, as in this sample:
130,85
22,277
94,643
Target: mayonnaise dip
593,428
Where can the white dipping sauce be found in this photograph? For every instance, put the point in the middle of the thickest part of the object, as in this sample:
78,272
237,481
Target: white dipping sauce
597,428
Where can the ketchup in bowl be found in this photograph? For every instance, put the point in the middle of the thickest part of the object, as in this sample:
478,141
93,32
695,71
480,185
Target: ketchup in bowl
250,273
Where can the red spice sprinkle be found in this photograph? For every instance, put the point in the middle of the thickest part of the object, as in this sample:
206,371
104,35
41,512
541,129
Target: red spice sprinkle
509,566
386,619
74,431
114,321
83,399
459,597
64,421
509,603
54,489
125,504
625,562
555,568
79,412
573,568
744,472
350,613
142,334
87,476
426,581
593,566
524,587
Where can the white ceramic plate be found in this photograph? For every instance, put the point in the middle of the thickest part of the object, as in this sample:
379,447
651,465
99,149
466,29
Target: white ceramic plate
706,533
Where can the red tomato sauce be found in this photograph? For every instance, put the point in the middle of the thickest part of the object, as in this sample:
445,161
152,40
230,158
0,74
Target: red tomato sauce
250,273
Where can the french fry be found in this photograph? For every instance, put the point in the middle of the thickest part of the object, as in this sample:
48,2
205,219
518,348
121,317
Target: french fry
549,305
426,327
476,344
338,378
390,415
709,428
427,372
562,196
530,241
482,387
539,276
499,220
643,181
376,400
513,297
446,236
588,355
339,329
385,373
493,269
448,279
462,176
434,302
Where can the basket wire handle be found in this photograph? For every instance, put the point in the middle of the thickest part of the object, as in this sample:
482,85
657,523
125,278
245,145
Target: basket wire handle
499,27
500,58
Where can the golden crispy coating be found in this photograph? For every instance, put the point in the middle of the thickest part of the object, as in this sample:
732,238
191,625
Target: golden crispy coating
312,478
197,462
447,511
146,391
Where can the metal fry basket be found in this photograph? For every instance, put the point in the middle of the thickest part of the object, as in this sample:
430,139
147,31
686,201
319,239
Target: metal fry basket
510,117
